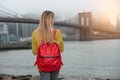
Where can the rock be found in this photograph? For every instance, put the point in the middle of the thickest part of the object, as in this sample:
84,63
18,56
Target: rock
5,77
12,77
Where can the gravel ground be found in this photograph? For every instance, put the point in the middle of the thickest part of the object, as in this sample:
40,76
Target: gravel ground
30,77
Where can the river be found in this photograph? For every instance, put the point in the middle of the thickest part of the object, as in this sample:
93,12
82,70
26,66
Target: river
88,58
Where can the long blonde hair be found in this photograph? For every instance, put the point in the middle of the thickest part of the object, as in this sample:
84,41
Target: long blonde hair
46,26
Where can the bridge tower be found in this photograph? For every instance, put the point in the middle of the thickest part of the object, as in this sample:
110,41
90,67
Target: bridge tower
85,21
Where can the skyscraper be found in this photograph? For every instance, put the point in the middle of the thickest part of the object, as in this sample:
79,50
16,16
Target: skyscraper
4,36
118,24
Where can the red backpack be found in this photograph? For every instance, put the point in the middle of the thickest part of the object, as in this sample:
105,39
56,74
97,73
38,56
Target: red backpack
48,58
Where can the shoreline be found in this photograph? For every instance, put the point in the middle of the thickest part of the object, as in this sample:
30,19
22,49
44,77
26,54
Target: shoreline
36,77
20,47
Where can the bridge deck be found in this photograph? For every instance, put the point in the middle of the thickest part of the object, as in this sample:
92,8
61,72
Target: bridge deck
36,21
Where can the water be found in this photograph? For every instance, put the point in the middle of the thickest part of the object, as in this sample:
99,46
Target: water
91,59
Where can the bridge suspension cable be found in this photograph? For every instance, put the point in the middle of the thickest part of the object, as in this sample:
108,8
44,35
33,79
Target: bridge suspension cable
2,12
7,12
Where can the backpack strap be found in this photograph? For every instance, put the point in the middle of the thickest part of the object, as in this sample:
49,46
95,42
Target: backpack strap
54,32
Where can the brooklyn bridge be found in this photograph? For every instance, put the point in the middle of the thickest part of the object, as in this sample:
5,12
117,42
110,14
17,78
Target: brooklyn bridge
85,27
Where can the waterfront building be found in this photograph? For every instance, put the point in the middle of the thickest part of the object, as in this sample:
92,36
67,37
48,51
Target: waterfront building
4,35
27,29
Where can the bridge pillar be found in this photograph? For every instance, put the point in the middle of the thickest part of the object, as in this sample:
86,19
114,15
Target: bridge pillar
86,23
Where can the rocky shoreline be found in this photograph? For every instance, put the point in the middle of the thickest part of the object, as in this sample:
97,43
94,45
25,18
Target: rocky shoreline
31,77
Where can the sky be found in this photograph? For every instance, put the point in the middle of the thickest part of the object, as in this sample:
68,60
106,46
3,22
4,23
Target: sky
66,8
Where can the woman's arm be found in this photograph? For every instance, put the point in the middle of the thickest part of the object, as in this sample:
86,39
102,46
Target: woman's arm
58,37
34,44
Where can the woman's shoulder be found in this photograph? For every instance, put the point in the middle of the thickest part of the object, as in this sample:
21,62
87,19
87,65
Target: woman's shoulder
58,33
57,30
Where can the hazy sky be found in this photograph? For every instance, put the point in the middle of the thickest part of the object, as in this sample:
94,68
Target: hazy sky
64,7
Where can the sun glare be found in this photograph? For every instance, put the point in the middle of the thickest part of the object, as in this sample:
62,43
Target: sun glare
111,13
113,19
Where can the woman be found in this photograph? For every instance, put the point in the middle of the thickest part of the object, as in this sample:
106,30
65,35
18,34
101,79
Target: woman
44,32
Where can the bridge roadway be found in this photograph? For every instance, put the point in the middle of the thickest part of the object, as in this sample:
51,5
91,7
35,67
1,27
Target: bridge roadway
59,23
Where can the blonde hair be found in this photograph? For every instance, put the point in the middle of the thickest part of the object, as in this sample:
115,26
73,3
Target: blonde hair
46,26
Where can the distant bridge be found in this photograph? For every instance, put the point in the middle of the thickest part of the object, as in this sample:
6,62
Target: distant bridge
85,22
59,23
86,30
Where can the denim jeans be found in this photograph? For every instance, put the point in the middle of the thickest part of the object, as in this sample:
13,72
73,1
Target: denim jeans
49,75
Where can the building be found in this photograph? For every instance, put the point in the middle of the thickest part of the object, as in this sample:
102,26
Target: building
4,35
27,29
118,24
